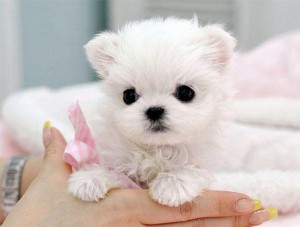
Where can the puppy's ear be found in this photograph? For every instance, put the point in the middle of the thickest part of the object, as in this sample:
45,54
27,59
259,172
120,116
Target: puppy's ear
101,52
218,45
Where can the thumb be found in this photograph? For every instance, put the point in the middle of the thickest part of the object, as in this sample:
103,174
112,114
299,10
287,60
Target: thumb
55,144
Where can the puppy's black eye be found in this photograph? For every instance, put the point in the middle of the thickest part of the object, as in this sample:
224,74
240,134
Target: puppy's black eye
130,96
184,93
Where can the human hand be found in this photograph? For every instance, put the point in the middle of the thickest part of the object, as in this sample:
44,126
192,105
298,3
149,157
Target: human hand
47,202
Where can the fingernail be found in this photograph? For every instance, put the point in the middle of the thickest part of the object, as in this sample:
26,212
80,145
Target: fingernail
247,205
258,217
273,213
47,133
257,204
47,124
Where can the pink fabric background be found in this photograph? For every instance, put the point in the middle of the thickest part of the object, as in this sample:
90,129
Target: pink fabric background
9,148
270,70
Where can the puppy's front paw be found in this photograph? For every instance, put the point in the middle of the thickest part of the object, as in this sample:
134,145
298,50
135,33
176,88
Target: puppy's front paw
176,188
91,183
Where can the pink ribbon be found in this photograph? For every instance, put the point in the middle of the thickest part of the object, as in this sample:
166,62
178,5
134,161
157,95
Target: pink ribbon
81,151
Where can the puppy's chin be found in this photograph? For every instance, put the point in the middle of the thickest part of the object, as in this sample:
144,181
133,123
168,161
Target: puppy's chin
158,137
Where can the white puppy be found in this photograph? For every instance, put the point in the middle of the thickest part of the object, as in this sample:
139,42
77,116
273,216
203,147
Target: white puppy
167,92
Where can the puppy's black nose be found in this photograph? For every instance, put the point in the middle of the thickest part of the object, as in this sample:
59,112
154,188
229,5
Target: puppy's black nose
155,113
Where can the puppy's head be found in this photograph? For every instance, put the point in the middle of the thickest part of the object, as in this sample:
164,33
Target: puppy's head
166,78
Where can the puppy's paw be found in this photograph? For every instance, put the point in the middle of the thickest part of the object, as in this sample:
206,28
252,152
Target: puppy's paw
178,187
91,183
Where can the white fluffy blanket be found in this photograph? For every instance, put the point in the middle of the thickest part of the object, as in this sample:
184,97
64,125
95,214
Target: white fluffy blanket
263,162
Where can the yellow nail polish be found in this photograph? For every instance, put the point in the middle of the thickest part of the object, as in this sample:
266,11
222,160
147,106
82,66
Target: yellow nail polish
273,213
47,124
257,204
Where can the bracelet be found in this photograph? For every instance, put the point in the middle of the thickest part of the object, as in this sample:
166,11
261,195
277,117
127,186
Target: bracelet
11,183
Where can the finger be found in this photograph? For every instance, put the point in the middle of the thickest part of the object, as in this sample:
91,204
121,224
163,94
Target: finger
209,204
237,221
248,220
55,144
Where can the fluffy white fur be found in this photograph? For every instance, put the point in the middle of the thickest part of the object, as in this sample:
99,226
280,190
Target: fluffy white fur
155,57
91,183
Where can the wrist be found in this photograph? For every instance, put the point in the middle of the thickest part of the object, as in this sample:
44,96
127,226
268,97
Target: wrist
11,178
30,171
27,173
3,163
